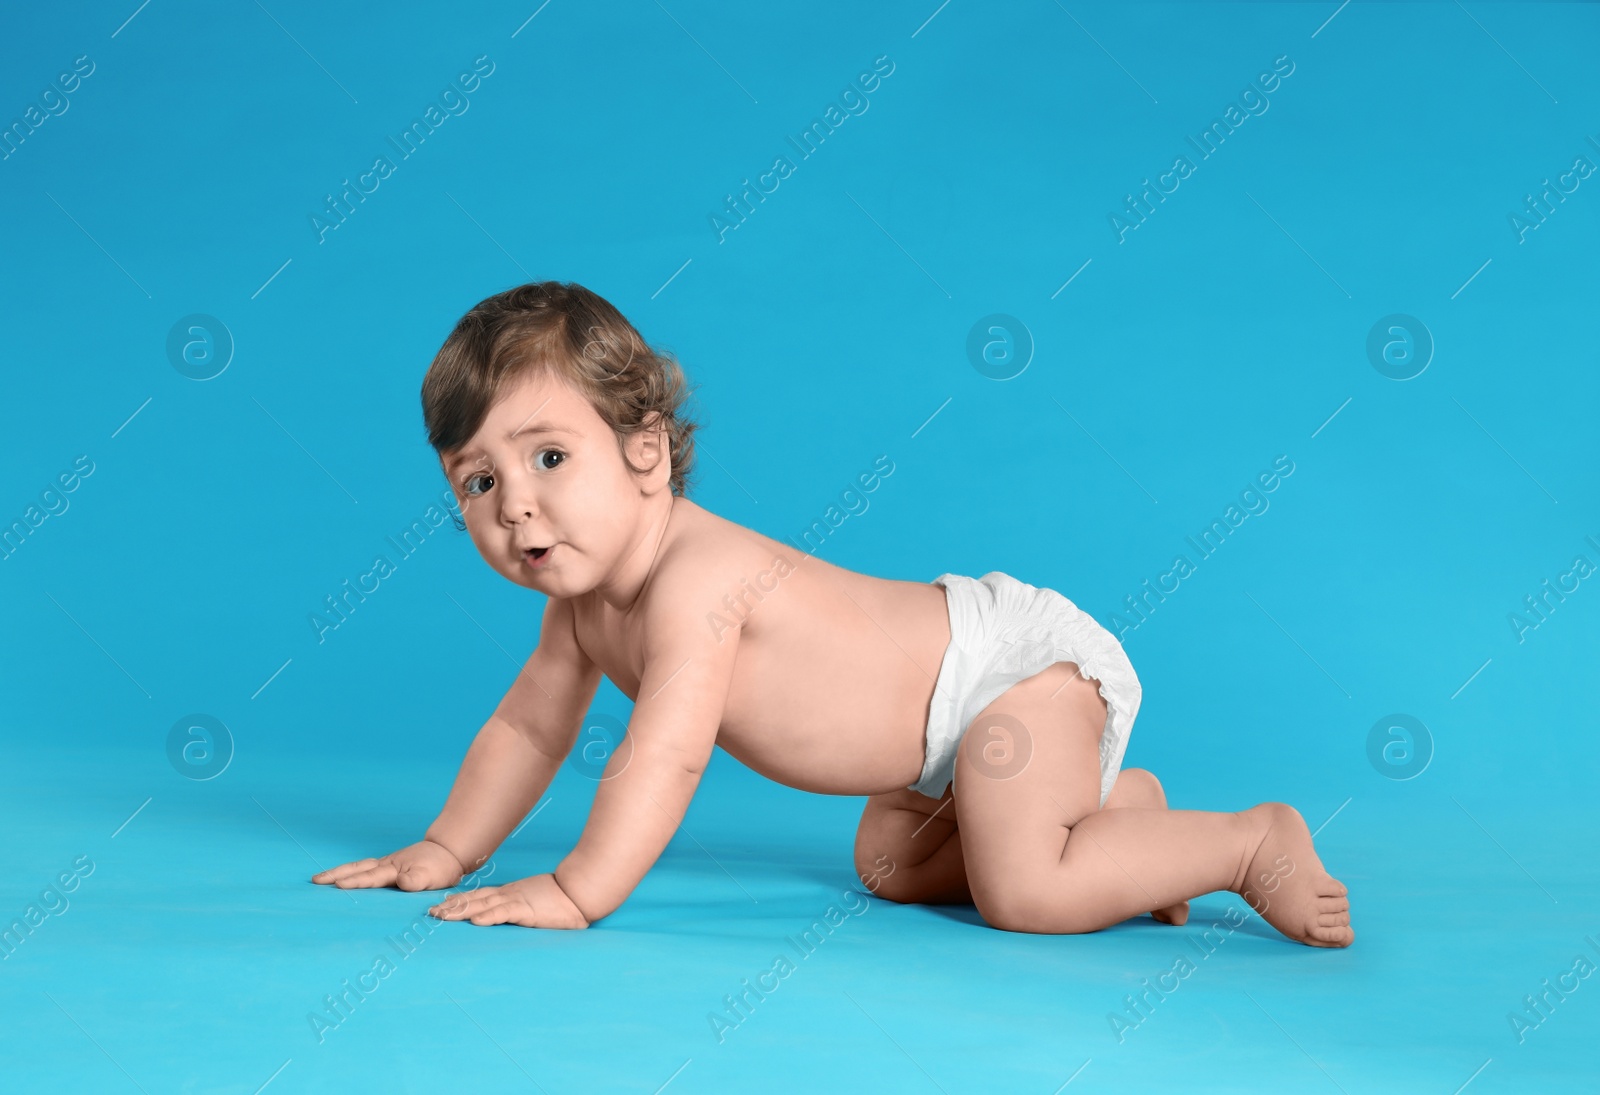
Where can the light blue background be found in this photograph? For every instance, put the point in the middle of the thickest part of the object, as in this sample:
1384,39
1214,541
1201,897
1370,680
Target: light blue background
828,329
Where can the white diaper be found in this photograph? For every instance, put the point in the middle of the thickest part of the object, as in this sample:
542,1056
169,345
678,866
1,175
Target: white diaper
1003,631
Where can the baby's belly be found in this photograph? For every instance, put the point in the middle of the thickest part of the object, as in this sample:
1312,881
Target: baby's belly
841,709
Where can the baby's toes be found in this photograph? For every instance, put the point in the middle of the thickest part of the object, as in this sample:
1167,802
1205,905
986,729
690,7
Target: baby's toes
1333,911
1332,928
1337,936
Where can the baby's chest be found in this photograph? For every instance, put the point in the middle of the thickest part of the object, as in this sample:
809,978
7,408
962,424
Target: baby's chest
617,650
613,647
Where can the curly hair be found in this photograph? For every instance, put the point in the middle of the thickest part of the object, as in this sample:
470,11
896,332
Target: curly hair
562,328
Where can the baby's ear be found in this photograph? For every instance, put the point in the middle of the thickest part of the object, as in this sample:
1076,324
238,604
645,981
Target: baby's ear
652,450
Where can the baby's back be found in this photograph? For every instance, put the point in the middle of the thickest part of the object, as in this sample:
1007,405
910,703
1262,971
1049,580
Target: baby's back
835,669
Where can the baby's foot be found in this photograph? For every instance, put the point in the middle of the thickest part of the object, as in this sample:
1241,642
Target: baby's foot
1281,878
1173,914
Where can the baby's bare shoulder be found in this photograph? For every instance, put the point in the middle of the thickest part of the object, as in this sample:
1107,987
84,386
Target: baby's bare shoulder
706,558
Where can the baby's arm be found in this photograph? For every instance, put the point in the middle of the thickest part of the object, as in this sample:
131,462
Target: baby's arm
508,766
645,790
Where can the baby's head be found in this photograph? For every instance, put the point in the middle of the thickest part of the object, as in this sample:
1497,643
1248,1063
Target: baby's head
559,428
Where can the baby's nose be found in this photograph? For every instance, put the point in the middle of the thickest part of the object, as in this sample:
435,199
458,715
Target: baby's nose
518,504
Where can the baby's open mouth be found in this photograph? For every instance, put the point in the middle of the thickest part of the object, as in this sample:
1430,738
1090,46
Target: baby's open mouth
534,555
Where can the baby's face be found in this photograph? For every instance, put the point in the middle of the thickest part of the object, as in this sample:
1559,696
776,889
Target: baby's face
547,498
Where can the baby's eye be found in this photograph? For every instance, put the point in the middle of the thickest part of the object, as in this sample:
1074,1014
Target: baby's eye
539,459
478,484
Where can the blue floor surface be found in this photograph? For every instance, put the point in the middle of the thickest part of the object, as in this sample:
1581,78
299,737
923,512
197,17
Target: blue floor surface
194,955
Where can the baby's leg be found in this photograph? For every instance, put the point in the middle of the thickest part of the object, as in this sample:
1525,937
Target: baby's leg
1139,788
908,846
908,849
1040,858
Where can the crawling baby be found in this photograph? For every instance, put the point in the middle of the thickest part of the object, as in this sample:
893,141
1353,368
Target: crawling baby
985,719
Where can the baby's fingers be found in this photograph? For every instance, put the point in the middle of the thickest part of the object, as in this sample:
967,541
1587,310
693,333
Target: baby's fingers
381,873
334,874
502,910
459,906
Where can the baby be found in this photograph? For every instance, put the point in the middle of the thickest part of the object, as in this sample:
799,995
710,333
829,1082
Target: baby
984,719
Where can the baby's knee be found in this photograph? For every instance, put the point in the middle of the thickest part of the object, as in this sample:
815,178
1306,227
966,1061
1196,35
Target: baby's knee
899,886
881,876
872,846
1137,787
1018,905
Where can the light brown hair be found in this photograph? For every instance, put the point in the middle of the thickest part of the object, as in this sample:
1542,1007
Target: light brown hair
552,327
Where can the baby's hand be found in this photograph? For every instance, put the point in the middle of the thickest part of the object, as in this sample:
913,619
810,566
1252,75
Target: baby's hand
423,866
535,902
